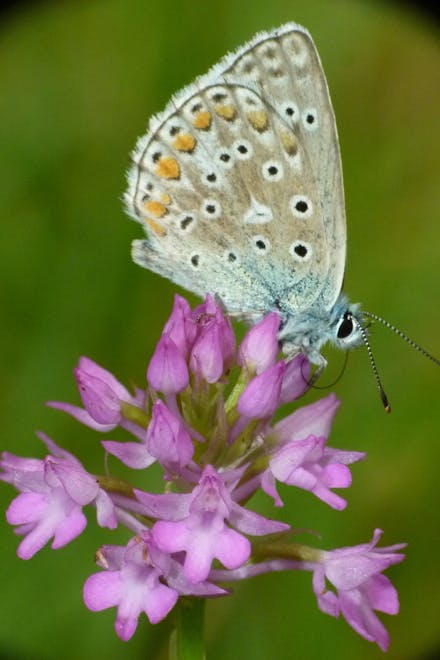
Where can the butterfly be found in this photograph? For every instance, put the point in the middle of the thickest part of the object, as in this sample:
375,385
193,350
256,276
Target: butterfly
238,184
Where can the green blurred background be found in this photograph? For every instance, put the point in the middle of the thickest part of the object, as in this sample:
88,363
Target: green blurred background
78,81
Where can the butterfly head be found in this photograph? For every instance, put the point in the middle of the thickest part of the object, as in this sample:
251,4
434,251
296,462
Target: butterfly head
343,326
308,331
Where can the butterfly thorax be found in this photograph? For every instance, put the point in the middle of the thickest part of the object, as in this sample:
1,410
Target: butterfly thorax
309,330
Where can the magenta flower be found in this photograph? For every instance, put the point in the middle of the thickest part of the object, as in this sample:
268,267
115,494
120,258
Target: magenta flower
314,419
167,371
132,584
197,525
305,461
168,440
181,327
308,464
133,454
139,578
103,398
262,395
105,409
295,379
100,392
209,312
356,574
259,349
213,349
53,493
205,417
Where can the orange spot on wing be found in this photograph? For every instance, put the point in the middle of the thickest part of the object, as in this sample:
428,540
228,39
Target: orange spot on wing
155,208
289,142
185,142
228,112
168,168
165,198
202,120
259,120
155,227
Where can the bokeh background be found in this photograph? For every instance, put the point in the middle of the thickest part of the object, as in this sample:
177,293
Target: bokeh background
78,81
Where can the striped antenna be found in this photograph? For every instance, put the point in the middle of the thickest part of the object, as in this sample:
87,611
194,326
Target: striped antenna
402,335
382,394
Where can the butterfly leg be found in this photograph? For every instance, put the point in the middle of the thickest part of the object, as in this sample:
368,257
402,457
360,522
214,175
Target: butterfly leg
318,371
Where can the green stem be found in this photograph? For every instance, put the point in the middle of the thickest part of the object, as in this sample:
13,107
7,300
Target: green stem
187,640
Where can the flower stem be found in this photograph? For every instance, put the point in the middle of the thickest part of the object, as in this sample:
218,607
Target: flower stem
187,640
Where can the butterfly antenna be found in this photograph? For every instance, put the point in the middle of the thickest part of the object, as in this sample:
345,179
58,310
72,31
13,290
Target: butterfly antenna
364,336
402,335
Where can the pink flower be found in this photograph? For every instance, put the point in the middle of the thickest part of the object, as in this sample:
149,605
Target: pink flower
168,440
167,371
139,578
259,349
132,584
203,534
213,350
314,419
197,525
103,398
181,327
310,465
100,392
356,574
53,494
261,396
296,379
205,419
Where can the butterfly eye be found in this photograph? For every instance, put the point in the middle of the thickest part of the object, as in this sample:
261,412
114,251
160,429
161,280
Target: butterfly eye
346,327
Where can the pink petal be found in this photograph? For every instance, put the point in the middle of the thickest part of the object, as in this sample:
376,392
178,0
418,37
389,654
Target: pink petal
167,371
102,590
169,506
261,396
133,454
252,523
25,508
315,419
232,549
93,369
160,602
382,595
69,528
105,510
81,416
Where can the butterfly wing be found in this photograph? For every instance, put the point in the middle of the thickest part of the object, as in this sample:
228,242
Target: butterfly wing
239,185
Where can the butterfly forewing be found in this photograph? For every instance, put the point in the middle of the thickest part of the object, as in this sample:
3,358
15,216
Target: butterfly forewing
239,184
287,67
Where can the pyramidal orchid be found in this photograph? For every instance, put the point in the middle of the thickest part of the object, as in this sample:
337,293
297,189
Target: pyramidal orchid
206,415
